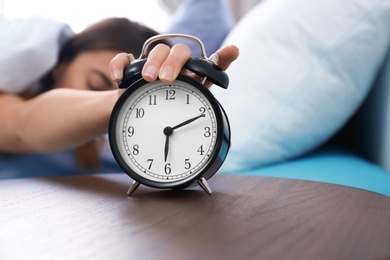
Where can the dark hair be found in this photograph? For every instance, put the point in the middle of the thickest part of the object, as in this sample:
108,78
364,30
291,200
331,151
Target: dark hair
116,34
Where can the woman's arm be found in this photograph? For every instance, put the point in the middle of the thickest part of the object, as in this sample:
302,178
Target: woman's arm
53,121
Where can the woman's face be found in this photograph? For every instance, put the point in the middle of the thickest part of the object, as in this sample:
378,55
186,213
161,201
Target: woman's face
88,71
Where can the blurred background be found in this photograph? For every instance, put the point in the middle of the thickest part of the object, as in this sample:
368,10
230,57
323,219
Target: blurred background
81,13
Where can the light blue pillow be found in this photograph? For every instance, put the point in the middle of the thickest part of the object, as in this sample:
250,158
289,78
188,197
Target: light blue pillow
304,69
209,20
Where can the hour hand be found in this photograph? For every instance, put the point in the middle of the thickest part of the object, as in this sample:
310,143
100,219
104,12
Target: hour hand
167,132
166,149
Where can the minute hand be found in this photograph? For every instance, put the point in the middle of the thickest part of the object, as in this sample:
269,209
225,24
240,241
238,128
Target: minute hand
188,121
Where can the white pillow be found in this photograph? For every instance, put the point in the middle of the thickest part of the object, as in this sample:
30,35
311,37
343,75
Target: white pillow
28,50
304,68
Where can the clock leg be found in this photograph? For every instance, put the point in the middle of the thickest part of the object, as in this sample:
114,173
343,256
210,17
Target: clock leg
134,185
205,186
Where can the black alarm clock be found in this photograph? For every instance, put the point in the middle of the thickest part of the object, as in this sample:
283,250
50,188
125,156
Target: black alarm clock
170,135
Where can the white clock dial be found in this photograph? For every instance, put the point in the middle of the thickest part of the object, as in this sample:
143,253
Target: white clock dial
169,131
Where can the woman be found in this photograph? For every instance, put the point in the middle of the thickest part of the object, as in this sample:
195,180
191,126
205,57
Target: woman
82,65
67,112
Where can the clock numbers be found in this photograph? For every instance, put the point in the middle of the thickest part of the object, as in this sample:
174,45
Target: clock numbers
188,99
150,161
170,94
202,110
136,149
130,130
200,150
152,100
207,133
187,164
168,168
139,113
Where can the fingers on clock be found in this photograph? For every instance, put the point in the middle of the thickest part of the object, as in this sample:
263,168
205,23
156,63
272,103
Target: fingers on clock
117,64
167,64
227,55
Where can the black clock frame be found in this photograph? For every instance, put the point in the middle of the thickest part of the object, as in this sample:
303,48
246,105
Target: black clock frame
133,81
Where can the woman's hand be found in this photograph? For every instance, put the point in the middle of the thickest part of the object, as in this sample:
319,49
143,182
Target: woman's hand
166,63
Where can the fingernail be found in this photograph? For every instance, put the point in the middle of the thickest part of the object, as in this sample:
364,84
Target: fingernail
117,74
166,73
214,58
150,71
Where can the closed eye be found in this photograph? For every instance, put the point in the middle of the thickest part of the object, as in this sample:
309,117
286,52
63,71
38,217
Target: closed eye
98,81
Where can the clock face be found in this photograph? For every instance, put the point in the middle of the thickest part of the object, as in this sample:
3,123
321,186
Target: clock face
165,132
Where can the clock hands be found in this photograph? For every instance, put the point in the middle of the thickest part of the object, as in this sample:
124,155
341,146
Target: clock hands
169,130
188,121
166,149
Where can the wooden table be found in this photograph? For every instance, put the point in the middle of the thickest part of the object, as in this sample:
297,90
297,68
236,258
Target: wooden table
91,217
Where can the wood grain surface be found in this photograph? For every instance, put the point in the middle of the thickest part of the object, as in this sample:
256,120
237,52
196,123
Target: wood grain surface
247,217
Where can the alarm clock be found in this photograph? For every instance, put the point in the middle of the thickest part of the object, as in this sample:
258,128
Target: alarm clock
170,135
